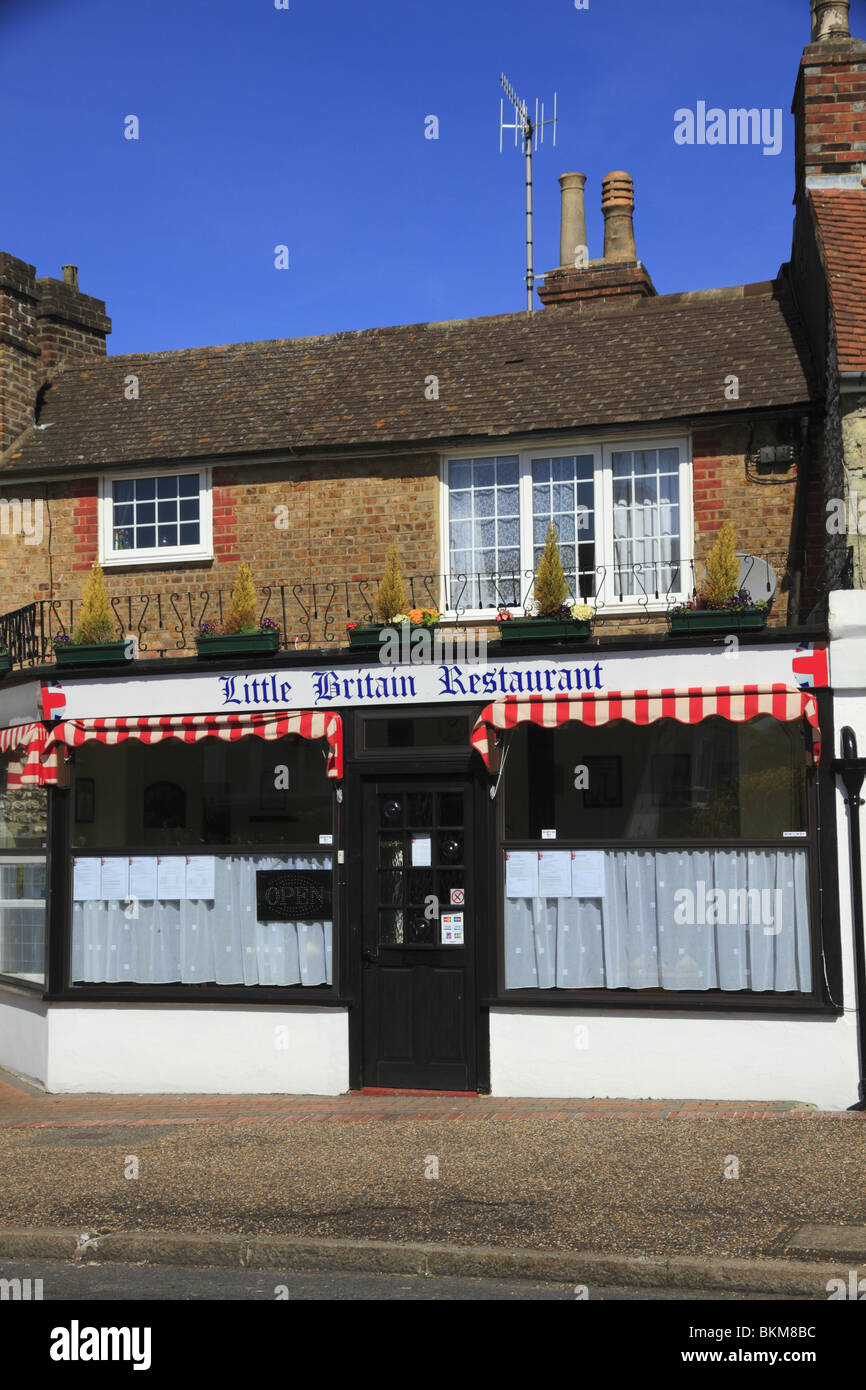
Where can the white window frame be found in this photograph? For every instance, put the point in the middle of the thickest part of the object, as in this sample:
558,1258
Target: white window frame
110,558
602,451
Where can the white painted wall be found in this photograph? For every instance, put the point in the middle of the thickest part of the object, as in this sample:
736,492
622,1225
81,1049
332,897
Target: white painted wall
672,1056
222,1049
23,1035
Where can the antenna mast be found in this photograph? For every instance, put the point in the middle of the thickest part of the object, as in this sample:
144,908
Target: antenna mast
530,131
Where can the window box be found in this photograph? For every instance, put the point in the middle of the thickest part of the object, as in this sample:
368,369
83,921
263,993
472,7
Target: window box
237,643
550,629
367,636
717,620
5,663
89,654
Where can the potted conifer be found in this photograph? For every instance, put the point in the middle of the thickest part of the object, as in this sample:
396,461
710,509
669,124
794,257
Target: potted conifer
718,605
554,618
240,633
393,608
93,637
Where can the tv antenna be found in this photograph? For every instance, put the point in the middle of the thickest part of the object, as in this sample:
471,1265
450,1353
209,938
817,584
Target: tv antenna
531,132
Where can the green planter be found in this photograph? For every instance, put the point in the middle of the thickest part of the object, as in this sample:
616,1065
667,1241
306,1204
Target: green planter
5,663
89,653
544,629
367,636
716,620
238,643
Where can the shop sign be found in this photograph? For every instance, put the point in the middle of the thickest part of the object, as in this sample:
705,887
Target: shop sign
379,685
290,895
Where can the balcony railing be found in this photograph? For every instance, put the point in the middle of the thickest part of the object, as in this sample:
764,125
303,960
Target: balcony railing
315,614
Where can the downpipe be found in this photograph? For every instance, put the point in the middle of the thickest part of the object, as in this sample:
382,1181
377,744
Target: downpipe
852,770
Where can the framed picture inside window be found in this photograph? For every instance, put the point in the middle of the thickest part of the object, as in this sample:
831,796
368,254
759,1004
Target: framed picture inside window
604,777
85,801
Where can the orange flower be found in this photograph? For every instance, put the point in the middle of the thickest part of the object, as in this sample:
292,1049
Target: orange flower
416,615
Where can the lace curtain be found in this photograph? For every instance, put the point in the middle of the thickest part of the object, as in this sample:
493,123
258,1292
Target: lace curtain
678,919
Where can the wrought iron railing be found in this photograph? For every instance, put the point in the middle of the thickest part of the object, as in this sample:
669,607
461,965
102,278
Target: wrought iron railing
315,614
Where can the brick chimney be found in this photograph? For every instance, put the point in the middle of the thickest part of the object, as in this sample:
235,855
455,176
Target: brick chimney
830,103
45,326
619,272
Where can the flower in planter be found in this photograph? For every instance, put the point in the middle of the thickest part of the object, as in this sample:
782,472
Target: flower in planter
423,617
208,629
268,625
503,616
62,639
581,612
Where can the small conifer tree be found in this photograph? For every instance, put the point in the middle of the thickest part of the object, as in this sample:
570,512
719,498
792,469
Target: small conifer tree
720,581
242,612
392,598
551,586
95,618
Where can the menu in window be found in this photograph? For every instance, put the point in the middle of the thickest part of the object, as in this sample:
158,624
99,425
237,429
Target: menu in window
171,877
587,873
142,877
115,879
554,873
521,873
85,880
200,871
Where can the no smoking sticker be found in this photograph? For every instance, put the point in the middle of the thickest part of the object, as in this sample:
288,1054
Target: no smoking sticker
458,897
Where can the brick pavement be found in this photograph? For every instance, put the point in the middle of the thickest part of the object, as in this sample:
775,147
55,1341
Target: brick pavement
23,1106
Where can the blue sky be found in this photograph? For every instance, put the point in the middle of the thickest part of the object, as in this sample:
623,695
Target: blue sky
305,127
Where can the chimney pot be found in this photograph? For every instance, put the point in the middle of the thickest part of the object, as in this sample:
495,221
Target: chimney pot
70,276
617,204
572,227
830,20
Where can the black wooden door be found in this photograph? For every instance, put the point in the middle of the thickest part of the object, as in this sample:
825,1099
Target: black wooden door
418,943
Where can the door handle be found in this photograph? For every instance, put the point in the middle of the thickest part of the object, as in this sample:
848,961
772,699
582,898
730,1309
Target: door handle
372,957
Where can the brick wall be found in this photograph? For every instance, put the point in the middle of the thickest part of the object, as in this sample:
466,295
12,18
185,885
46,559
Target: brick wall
331,527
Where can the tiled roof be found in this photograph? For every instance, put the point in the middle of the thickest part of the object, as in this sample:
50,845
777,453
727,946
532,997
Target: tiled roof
841,218
636,361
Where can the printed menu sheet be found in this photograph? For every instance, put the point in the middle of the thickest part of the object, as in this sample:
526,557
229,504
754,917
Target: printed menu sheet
142,877
115,879
171,877
521,873
554,873
86,880
587,873
200,876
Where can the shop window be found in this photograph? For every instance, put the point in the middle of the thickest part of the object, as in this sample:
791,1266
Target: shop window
249,792
202,864
664,857
223,936
23,830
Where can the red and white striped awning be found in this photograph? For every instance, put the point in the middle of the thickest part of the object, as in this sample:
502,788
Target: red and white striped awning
192,728
689,706
28,769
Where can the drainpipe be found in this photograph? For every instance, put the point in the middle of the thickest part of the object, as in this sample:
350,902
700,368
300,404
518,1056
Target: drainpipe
798,536
852,770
